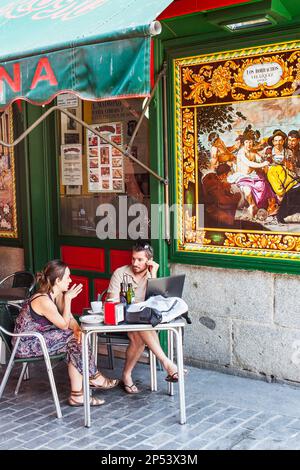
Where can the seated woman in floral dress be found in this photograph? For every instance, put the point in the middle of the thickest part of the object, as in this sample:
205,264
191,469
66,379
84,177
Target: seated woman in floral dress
49,312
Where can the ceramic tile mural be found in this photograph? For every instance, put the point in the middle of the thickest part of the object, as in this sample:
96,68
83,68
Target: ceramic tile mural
238,152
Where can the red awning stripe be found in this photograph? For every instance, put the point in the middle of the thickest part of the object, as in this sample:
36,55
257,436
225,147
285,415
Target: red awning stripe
186,7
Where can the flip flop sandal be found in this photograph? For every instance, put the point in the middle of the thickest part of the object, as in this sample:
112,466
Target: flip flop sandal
93,400
174,377
129,388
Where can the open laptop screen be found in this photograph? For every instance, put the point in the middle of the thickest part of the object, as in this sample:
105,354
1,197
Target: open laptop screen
171,286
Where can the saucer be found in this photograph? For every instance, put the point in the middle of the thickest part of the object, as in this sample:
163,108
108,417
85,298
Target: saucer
95,313
91,318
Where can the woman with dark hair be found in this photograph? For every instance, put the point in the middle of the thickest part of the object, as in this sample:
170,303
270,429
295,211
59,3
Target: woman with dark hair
49,313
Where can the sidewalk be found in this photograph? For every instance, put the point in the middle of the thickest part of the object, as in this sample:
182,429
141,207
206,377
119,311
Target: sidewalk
223,412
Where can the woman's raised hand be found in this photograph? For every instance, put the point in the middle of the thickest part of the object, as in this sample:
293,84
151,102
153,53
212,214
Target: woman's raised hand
74,291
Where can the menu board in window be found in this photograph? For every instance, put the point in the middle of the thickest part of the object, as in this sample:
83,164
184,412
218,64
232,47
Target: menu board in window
105,163
71,165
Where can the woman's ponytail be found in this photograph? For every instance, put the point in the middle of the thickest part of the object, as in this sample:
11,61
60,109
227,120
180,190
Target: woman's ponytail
46,278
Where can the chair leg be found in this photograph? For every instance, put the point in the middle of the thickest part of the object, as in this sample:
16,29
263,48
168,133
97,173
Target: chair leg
6,375
50,375
27,373
2,352
171,356
53,387
153,372
110,353
22,375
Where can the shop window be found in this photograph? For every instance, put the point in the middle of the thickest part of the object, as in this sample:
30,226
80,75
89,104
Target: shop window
92,172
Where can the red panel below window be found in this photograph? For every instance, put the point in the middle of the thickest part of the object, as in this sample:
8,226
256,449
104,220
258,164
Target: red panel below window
82,300
99,286
86,259
119,258
185,7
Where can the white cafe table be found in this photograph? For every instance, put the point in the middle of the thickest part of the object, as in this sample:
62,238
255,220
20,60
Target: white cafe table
174,329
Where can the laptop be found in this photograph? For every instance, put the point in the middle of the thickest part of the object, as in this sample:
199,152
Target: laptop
171,286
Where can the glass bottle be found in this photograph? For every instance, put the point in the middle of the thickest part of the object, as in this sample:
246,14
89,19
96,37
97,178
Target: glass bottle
123,297
130,294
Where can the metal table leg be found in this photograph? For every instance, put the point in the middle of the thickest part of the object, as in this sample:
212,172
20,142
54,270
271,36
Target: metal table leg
86,384
178,333
171,357
153,374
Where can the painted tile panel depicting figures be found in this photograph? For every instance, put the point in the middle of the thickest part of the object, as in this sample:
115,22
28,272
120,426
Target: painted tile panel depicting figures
8,211
238,152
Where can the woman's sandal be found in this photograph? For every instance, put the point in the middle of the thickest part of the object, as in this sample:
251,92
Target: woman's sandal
130,389
93,400
106,385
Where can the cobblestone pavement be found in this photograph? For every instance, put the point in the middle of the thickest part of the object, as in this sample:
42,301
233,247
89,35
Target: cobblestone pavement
223,412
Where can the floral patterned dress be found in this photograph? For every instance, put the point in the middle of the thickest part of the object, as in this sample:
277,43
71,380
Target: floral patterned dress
57,340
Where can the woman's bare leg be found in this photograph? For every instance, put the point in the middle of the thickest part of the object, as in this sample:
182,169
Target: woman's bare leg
76,386
75,378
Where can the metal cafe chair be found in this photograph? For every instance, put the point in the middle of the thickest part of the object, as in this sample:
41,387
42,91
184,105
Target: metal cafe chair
19,279
119,339
112,339
7,322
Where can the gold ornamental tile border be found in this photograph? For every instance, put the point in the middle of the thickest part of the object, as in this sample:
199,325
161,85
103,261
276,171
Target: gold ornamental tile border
263,241
215,250
240,243
191,234
8,181
179,165
188,140
223,81
236,53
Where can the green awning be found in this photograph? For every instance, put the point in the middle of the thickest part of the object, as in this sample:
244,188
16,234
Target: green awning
98,49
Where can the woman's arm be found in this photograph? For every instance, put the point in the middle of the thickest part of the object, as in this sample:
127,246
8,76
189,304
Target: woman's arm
60,315
45,307
73,325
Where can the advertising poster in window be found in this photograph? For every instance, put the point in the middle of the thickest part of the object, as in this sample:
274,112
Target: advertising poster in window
128,112
238,152
71,165
105,163
8,209
71,131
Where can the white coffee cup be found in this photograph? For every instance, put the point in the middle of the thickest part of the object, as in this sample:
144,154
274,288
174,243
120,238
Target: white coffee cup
96,306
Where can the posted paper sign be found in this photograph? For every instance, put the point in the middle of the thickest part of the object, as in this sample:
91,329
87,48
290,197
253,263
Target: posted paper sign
67,100
71,165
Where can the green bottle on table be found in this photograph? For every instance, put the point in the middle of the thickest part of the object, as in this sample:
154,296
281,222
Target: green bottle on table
130,294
